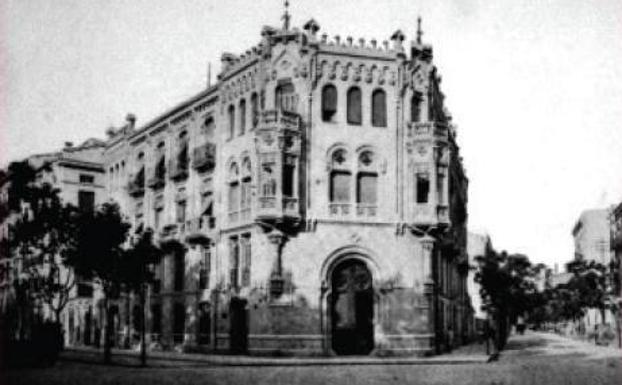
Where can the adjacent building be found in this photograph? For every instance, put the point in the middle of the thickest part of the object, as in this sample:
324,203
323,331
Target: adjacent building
77,173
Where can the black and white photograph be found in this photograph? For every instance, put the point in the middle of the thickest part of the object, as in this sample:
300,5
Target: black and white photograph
420,192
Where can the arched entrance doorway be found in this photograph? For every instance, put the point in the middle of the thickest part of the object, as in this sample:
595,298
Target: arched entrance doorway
351,307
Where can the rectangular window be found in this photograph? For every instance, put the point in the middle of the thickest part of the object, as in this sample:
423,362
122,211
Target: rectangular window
204,323
234,261
245,241
157,219
205,268
180,271
246,193
367,188
87,179
234,193
340,186
288,180
86,200
181,211
423,188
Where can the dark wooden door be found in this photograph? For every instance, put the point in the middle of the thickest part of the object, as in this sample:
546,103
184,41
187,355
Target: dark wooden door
352,309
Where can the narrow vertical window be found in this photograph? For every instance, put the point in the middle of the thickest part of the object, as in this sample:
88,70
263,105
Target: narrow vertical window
354,106
234,261
415,108
367,188
288,180
180,271
242,116
179,322
285,97
340,186
181,211
254,110
246,260
231,113
378,109
329,103
423,188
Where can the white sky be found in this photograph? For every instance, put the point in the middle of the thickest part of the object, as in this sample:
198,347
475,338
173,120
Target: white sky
534,86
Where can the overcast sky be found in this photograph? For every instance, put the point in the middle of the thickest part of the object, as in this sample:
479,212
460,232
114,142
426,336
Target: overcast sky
535,87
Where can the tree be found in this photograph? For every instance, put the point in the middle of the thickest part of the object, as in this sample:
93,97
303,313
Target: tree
137,272
507,288
42,233
590,283
99,255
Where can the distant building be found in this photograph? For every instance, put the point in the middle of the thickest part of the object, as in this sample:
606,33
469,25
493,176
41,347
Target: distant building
591,235
78,174
478,245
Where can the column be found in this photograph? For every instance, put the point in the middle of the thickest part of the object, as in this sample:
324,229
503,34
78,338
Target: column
277,239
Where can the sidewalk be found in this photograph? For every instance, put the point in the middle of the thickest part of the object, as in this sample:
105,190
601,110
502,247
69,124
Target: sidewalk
469,354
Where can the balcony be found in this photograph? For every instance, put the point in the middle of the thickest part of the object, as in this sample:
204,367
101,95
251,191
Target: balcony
339,209
172,232
178,169
136,186
156,182
283,118
204,157
200,230
428,129
427,214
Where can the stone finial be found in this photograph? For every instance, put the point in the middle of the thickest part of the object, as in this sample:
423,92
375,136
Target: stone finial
385,44
374,43
286,16
337,39
419,31
324,38
131,120
311,27
362,42
349,39
398,38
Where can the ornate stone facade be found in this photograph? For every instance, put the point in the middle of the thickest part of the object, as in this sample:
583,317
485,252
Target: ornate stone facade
313,201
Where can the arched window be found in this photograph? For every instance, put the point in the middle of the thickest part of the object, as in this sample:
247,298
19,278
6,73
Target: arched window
182,155
245,197
340,178
329,102
231,113
254,110
415,107
242,116
209,128
354,106
268,184
234,187
161,159
367,180
286,98
378,109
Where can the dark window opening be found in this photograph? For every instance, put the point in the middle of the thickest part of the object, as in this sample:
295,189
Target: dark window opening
180,267
156,319
379,109
415,108
242,116
423,188
231,114
86,201
246,260
286,98
329,103
88,179
234,261
288,180
354,106
204,323
254,110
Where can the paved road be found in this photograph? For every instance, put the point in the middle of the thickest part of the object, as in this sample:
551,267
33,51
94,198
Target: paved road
530,359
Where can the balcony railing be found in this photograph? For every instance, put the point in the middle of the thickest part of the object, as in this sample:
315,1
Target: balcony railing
427,128
204,157
178,169
199,230
156,182
339,209
286,118
136,186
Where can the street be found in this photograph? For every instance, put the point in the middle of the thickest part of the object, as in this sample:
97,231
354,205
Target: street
534,358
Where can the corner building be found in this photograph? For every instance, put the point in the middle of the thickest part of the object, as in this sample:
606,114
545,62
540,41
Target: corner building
313,201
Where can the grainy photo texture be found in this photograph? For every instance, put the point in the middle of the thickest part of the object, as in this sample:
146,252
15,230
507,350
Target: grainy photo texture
296,192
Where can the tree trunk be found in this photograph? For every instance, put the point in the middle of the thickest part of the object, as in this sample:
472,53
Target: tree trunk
107,332
143,342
